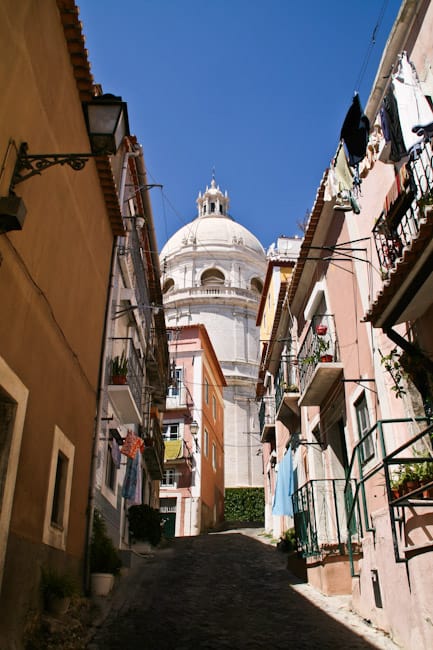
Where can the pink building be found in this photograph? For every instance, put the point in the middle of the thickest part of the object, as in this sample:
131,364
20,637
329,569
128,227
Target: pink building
356,320
192,489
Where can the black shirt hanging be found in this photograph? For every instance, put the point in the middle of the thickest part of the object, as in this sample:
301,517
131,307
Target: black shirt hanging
355,132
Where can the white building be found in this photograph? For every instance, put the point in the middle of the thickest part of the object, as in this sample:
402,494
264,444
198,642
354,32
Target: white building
212,272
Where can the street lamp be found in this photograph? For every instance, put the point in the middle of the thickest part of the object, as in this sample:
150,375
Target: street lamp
193,427
107,124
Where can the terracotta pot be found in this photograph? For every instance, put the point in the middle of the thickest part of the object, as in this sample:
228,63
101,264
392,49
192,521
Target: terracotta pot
57,606
119,379
321,329
326,358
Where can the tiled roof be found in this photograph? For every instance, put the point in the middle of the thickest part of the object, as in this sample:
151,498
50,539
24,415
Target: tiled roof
83,77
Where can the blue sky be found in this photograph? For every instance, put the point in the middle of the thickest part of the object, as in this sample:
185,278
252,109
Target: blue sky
255,89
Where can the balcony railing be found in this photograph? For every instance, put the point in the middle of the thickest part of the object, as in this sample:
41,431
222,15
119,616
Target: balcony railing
135,372
320,518
409,203
266,415
383,469
318,360
286,379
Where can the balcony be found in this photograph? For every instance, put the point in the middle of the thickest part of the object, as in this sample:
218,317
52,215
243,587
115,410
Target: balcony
154,451
403,239
176,452
410,505
318,361
320,518
126,397
267,418
178,397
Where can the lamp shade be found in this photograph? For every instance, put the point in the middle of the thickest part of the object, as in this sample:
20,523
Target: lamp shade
107,123
193,427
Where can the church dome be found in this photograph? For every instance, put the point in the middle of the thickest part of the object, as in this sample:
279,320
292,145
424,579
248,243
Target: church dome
213,228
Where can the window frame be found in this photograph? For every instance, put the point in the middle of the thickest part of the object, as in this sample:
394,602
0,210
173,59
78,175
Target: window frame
54,533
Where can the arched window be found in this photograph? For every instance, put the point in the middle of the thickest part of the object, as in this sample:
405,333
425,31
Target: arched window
257,285
212,276
168,285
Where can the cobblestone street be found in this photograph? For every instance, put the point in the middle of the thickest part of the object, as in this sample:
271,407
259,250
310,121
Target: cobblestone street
225,590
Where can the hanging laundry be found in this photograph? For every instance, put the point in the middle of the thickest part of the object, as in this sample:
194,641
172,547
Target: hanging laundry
131,444
129,487
413,107
355,131
115,453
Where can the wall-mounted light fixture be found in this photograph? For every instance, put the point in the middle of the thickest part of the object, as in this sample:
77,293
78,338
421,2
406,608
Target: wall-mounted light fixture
193,427
107,123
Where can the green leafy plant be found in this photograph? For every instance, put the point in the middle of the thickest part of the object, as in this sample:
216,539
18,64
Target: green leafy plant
56,585
289,388
319,349
288,541
391,363
244,504
144,524
104,557
119,365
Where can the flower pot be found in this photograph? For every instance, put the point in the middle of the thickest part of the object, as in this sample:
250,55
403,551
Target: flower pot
326,358
321,330
101,583
57,606
119,379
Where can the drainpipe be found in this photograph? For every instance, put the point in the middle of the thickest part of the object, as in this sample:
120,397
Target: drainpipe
101,381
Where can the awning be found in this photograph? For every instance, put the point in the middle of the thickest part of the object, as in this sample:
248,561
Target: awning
173,449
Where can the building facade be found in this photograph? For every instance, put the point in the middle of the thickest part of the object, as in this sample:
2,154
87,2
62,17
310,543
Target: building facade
192,489
357,324
135,368
69,289
213,272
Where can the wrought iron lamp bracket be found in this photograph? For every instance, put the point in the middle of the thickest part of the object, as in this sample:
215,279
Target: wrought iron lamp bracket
28,165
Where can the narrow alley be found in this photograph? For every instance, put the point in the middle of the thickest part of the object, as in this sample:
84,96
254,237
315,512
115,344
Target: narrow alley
225,590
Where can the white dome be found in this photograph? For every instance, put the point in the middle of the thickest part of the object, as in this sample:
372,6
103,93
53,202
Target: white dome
209,232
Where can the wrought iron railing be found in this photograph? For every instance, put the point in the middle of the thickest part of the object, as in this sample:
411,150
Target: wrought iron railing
286,378
135,372
267,412
411,202
320,345
381,468
320,518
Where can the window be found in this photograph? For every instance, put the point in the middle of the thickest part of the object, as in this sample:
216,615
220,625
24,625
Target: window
206,443
168,285
169,478
212,207
13,405
206,391
171,431
176,380
212,276
214,409
59,491
214,456
363,421
110,470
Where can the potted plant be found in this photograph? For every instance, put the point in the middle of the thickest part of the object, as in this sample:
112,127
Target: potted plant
57,590
119,369
319,353
105,561
290,388
321,329
144,524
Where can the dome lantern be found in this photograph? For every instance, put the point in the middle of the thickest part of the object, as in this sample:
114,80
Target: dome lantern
213,202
